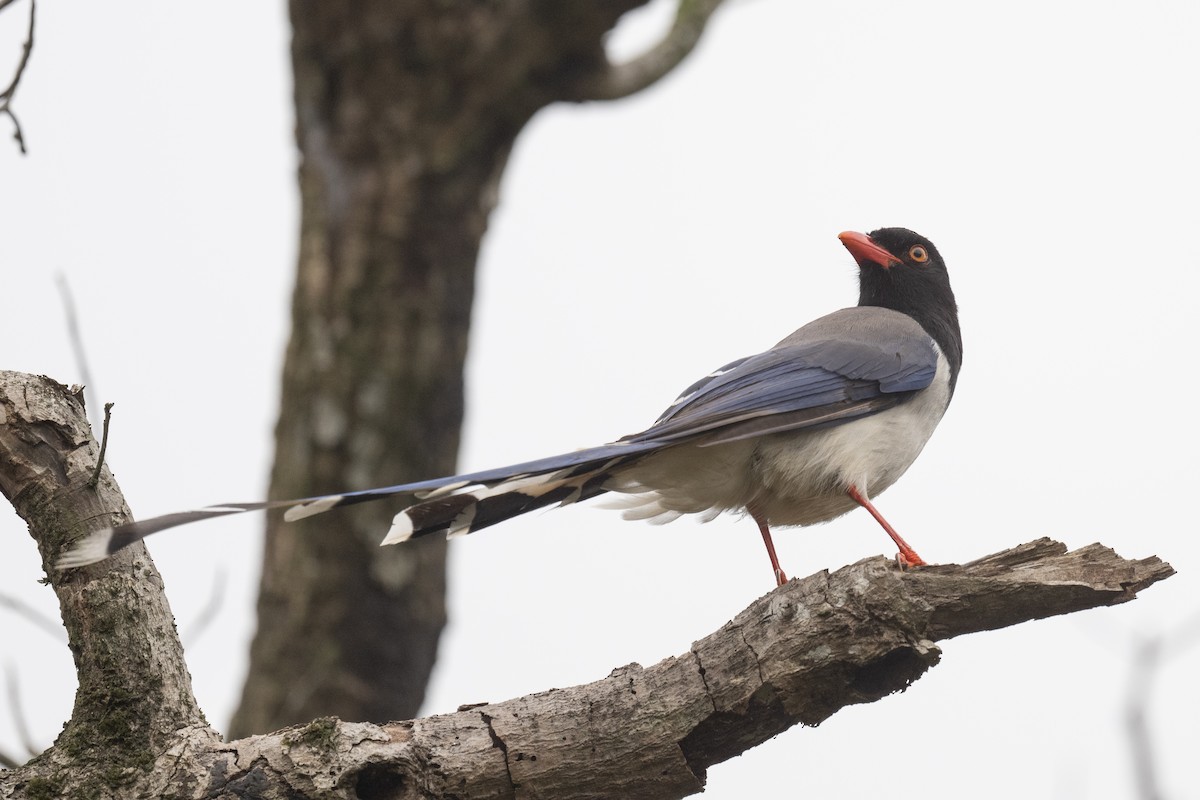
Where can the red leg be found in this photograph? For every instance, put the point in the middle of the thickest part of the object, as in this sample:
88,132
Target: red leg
907,557
780,578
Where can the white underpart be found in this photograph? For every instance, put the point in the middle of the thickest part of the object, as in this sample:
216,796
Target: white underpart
791,478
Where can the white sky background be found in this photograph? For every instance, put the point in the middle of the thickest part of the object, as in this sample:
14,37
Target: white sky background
1050,150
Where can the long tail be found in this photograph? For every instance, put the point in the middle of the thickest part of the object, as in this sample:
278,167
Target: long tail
469,510
456,504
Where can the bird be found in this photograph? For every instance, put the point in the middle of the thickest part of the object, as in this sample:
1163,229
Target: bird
797,435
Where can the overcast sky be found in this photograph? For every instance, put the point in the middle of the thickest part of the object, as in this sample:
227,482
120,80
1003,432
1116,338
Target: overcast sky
1049,149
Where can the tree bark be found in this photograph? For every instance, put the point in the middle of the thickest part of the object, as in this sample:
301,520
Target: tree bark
135,693
405,117
794,656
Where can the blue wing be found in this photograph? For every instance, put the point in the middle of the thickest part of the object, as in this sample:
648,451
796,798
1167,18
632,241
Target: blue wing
804,382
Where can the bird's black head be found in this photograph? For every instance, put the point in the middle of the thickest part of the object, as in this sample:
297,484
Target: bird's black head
903,271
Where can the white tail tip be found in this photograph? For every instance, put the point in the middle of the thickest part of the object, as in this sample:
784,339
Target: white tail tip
312,508
401,530
88,550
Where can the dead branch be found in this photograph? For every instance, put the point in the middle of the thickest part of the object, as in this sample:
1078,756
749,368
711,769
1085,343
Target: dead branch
12,686
75,336
24,610
6,96
795,656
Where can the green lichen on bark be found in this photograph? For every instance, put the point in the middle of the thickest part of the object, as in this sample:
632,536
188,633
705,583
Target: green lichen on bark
44,789
320,734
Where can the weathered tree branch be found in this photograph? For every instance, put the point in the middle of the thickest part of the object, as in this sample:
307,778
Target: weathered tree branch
134,689
795,656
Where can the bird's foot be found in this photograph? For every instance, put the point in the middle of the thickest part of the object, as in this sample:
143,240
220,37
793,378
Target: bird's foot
908,559
780,578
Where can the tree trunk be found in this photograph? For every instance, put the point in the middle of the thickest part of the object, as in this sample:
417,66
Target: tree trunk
405,116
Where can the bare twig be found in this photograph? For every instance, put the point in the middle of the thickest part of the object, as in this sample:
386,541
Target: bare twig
1184,637
1145,666
55,629
1149,656
74,333
622,80
13,686
216,599
23,609
95,479
7,95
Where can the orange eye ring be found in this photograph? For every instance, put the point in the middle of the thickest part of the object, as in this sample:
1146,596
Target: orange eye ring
918,254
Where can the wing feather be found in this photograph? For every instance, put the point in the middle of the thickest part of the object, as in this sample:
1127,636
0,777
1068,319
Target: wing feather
860,362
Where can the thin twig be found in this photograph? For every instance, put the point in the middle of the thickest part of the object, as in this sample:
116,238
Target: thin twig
13,686
75,335
1149,655
23,609
1146,661
1184,637
27,48
204,620
95,479
7,95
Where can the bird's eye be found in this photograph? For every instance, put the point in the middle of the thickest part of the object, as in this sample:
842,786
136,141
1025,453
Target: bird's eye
918,254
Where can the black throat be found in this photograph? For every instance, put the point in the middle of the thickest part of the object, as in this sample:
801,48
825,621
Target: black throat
925,296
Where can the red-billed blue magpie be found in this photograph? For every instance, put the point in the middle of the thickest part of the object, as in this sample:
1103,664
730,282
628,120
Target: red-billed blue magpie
802,433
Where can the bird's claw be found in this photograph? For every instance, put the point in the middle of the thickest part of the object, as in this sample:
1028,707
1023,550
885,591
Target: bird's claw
909,559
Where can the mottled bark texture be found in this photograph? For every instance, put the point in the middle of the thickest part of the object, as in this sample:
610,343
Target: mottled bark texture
135,692
405,116
794,656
